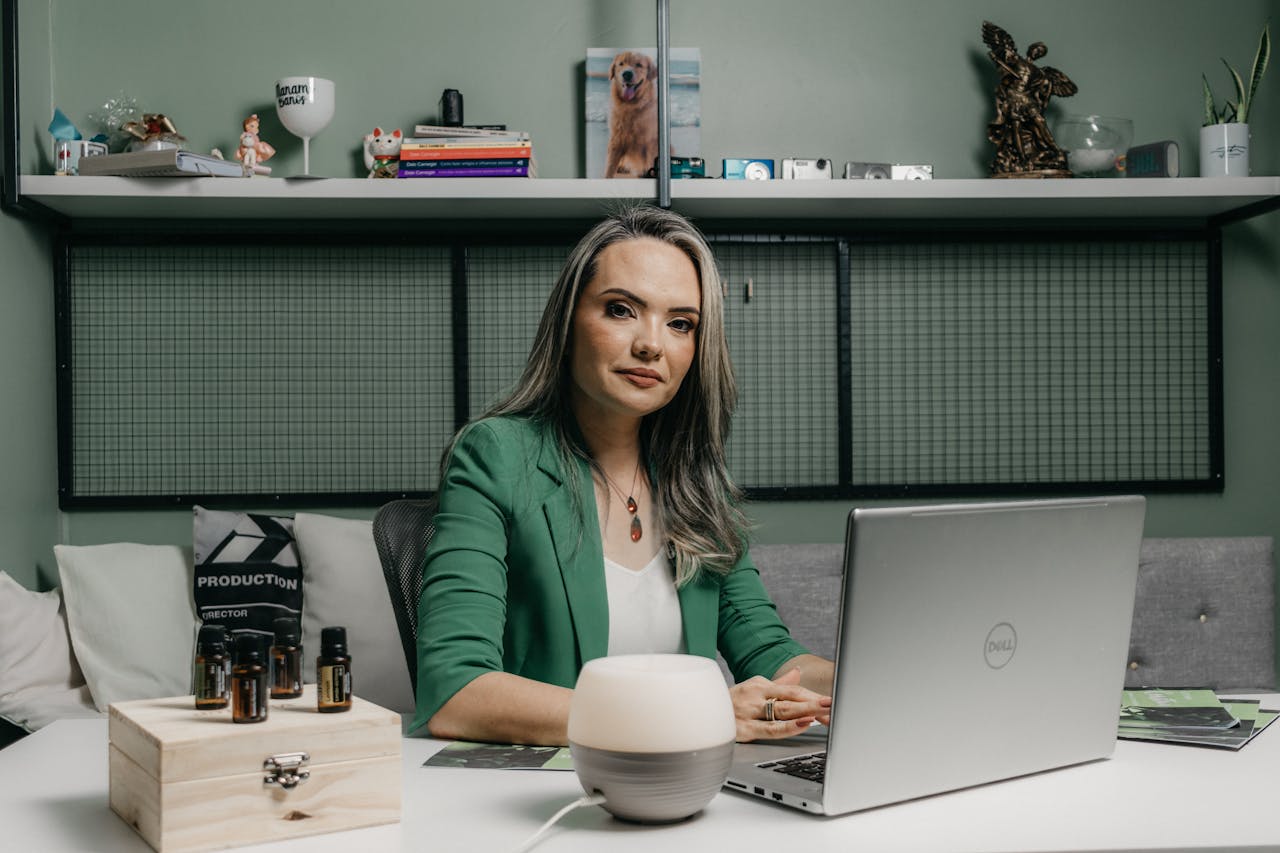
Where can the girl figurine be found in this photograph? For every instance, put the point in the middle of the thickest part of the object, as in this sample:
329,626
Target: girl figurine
253,150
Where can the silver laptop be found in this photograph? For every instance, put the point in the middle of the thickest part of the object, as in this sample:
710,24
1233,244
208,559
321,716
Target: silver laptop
977,642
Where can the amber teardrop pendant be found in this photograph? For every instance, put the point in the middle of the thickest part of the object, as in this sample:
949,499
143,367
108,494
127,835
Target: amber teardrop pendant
636,530
631,505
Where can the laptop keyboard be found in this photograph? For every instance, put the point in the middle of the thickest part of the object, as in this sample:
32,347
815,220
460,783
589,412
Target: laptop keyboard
811,767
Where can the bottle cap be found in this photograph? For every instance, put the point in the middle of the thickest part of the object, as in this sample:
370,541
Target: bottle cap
286,631
212,638
333,640
248,648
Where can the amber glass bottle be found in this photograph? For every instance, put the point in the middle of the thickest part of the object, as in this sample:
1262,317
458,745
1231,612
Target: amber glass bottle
333,672
212,668
286,659
248,681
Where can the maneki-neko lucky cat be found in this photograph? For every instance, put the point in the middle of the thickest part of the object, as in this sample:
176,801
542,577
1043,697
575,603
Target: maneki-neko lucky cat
382,153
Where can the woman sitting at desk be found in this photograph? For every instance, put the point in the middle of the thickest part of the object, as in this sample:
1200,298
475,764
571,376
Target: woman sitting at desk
591,512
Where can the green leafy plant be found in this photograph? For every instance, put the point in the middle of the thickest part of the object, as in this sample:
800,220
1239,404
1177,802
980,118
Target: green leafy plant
1238,110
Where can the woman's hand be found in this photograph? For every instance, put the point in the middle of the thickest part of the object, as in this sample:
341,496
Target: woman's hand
794,708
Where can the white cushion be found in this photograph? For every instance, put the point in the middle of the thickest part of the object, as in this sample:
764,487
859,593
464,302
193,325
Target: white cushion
39,679
131,617
342,584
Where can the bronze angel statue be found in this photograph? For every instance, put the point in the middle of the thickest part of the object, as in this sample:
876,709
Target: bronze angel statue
1024,146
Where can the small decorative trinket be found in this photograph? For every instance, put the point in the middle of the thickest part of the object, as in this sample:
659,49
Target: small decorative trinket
382,153
111,116
253,151
154,132
69,145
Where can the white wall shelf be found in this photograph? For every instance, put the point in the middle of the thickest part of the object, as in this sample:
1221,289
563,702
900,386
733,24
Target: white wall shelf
1137,201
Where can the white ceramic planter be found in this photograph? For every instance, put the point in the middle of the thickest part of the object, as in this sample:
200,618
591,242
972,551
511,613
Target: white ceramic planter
1224,151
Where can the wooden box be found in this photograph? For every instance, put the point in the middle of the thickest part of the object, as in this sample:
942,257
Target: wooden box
193,780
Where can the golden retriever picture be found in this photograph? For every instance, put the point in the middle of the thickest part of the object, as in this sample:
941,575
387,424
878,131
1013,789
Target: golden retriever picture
633,115
622,109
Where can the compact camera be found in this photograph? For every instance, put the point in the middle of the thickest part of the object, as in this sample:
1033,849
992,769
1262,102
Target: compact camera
887,172
747,169
794,168
682,167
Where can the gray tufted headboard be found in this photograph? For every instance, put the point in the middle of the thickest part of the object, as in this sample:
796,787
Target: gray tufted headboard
1204,614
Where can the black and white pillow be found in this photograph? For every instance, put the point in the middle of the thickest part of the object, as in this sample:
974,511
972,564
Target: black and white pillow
247,572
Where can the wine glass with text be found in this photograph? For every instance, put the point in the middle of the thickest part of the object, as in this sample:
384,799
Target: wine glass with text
305,107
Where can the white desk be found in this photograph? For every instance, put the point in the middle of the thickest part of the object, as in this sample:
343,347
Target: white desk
1148,797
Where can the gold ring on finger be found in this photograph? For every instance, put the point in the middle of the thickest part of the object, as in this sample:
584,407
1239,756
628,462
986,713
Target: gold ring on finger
768,710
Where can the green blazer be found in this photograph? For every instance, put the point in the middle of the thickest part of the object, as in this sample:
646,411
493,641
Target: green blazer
514,577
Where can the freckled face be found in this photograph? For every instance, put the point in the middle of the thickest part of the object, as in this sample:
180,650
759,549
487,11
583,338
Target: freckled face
634,333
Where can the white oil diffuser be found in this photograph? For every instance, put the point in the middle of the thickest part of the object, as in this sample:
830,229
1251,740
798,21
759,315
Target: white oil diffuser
653,734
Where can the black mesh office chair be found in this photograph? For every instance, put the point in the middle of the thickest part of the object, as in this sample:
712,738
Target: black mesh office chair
402,529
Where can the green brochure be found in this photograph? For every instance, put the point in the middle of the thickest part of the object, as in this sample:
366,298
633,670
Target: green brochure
1187,710
1252,720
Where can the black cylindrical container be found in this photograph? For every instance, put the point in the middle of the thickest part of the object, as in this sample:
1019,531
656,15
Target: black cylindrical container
451,108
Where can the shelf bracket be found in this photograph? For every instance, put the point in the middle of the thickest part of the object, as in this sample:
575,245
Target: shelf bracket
1257,208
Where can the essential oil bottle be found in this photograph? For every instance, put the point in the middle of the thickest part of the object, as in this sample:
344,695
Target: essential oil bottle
333,672
248,681
286,659
212,668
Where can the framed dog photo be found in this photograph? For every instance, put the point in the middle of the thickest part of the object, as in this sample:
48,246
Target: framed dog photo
622,109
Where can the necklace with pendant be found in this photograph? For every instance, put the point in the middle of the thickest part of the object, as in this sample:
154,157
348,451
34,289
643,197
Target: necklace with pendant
637,529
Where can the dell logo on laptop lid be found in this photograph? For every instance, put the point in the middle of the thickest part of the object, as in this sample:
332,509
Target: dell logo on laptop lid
1001,643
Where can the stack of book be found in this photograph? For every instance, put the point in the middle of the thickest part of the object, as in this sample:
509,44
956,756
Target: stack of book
1191,716
465,152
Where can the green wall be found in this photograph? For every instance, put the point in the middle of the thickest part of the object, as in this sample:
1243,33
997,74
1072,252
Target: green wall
905,81
28,486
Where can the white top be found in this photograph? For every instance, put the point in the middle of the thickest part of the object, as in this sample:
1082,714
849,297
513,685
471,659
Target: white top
644,613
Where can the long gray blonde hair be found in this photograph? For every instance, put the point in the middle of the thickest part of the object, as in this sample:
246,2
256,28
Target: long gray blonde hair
683,443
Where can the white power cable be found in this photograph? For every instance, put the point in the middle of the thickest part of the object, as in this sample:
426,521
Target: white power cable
588,800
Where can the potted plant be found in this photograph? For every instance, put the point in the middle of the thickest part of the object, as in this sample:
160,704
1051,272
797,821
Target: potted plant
1224,138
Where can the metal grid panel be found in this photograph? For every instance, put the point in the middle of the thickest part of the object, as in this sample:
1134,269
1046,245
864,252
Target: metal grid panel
1023,363
782,341
324,371
507,287
780,319
199,371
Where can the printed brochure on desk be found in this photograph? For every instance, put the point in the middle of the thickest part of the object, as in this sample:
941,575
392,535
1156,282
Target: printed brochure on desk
1201,725
1253,719
1192,710
502,756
